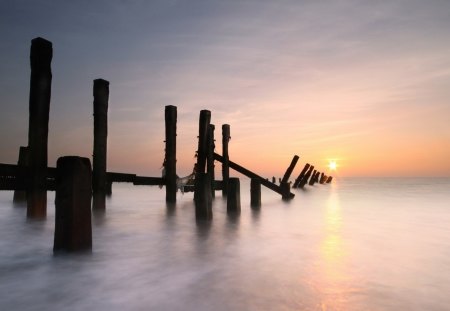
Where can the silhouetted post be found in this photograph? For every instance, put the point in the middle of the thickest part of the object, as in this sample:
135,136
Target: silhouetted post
255,193
40,91
285,186
308,174
101,97
300,177
322,178
22,163
73,230
210,158
312,179
170,161
329,179
225,166
274,180
234,196
202,194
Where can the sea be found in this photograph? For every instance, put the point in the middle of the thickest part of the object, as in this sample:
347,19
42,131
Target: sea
354,244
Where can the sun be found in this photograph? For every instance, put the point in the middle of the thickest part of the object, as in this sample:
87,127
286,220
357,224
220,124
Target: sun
332,165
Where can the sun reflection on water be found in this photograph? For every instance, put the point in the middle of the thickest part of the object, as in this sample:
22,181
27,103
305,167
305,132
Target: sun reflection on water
334,279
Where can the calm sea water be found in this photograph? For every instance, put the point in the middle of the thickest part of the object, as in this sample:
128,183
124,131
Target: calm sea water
357,244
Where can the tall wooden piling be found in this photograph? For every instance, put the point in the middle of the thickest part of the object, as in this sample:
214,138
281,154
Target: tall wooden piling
302,174
39,107
234,196
73,228
202,194
99,182
225,164
170,160
210,158
22,163
255,193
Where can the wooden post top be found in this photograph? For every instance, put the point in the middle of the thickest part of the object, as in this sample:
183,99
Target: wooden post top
41,53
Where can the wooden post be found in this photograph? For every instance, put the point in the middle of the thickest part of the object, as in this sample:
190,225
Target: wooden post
210,158
22,163
234,196
285,186
225,164
73,229
329,179
255,193
101,97
322,178
40,91
290,169
312,180
170,160
202,194
300,177
308,174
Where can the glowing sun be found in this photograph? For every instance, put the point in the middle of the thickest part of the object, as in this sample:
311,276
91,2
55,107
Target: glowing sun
332,165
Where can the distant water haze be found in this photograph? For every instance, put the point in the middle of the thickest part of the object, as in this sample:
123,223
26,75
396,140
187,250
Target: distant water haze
356,244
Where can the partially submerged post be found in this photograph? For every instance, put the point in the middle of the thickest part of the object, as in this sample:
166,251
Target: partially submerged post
202,195
304,181
312,180
73,229
300,177
285,186
39,107
329,179
22,163
255,193
234,196
170,160
99,181
225,164
210,158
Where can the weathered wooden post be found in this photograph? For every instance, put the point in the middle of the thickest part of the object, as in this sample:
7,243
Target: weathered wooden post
312,180
39,107
210,158
170,160
22,163
300,177
225,166
322,178
284,182
255,193
101,97
202,194
73,229
304,181
329,179
234,196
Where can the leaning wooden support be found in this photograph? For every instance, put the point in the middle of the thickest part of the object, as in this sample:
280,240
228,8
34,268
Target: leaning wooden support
250,174
22,163
170,160
255,193
202,194
210,158
73,229
285,186
305,179
312,179
40,90
329,179
300,177
234,197
99,180
225,166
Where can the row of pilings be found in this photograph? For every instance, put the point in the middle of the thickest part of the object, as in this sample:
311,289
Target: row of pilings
80,187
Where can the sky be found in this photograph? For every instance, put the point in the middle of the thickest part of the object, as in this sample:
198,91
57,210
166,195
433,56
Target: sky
365,83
